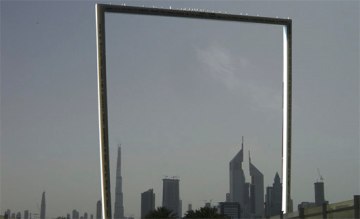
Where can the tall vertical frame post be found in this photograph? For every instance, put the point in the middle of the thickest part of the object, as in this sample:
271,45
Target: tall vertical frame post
287,108
102,92
103,115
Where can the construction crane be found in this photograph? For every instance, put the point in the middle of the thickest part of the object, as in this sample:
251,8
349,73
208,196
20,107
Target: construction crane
320,176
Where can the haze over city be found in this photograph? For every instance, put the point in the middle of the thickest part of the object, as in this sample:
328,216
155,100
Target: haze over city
182,93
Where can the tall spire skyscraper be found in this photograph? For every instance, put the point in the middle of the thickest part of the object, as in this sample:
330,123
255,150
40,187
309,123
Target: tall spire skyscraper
237,177
43,207
119,207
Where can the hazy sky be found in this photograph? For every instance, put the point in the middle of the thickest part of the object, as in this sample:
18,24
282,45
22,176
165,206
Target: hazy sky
182,92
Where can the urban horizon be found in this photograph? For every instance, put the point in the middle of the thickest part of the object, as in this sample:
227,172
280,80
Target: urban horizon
75,214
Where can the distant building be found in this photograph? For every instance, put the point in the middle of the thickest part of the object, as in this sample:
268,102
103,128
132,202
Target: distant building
171,195
26,214
319,193
75,214
7,213
237,177
276,196
91,216
189,207
18,215
268,201
291,205
227,197
119,207
230,209
43,207
273,198
147,202
246,208
98,210
180,208
256,191
68,216
319,197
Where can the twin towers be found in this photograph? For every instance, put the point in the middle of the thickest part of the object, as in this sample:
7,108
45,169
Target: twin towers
250,196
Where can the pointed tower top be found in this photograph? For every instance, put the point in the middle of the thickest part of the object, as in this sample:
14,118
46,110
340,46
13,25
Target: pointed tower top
242,142
249,157
277,178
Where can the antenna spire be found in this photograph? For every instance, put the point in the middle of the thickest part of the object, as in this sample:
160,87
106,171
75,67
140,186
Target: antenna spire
320,176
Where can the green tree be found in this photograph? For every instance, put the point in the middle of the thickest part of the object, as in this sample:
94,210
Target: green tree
204,212
161,212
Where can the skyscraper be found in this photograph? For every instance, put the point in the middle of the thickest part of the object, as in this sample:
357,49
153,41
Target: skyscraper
227,197
75,214
276,195
246,201
230,209
26,214
237,177
189,207
7,214
147,202
256,191
171,196
319,193
268,201
98,209
119,207
43,207
273,198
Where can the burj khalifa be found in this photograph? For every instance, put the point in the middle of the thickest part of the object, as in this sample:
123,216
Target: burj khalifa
119,207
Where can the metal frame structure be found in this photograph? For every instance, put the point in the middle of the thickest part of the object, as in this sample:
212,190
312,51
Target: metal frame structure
101,9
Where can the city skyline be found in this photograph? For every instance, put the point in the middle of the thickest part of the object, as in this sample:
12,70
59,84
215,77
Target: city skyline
170,193
252,203
181,94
